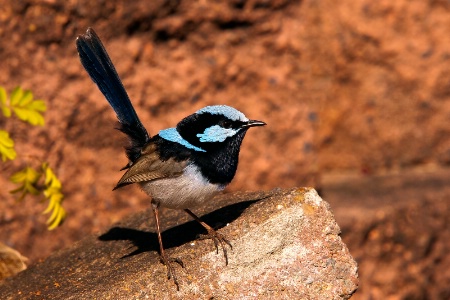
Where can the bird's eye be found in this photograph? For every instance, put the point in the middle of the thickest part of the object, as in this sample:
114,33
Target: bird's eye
226,124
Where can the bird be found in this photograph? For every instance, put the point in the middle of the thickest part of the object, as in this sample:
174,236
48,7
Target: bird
180,167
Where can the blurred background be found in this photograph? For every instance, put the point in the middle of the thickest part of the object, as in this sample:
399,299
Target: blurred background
356,95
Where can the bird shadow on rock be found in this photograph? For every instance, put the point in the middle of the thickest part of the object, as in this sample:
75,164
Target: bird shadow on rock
144,241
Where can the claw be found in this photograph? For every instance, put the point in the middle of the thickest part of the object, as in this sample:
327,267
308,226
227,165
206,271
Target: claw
218,238
212,234
167,261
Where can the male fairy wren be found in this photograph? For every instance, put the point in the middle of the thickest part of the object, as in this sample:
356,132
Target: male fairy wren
180,167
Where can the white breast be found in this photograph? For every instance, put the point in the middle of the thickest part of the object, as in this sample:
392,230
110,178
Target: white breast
186,191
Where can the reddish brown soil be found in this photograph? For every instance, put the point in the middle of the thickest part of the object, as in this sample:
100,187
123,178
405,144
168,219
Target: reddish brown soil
359,87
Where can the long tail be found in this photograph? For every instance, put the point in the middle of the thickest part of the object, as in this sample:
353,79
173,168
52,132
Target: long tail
97,63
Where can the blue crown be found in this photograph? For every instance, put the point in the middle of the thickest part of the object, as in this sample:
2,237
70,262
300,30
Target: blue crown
227,111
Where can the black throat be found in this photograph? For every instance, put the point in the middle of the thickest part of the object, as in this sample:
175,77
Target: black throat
218,164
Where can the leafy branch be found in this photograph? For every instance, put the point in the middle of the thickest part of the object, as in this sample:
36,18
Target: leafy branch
23,105
26,108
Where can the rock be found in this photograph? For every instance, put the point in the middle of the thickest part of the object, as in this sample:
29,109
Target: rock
11,261
286,245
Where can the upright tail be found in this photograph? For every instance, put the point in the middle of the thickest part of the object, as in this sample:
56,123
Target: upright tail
97,63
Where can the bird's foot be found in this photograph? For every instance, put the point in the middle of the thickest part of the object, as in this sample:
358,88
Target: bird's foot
217,238
168,261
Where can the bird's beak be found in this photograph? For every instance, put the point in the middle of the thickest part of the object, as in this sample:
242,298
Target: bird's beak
253,123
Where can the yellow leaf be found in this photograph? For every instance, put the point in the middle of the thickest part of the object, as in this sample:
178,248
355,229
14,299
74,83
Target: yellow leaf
58,220
53,201
55,197
51,181
56,184
5,140
26,175
21,113
54,214
36,118
5,109
16,95
30,116
27,178
48,174
29,188
6,146
8,154
38,105
49,208
32,175
3,96
26,98
51,191
26,108
18,177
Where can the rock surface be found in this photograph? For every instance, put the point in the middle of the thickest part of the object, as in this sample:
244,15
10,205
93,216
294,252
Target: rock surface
11,262
286,245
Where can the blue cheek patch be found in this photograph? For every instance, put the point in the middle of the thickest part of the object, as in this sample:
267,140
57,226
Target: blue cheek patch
216,134
171,134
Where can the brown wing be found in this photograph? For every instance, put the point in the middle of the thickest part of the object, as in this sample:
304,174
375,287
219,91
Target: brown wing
149,167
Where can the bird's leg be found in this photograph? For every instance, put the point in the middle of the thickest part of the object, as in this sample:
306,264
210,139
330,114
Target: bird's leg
212,234
164,259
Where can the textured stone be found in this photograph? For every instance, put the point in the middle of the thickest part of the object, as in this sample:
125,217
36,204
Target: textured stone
286,245
11,261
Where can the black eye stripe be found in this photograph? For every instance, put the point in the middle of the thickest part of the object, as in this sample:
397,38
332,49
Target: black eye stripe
190,127
205,120
227,124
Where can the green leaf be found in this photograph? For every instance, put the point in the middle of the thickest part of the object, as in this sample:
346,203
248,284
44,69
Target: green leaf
6,146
